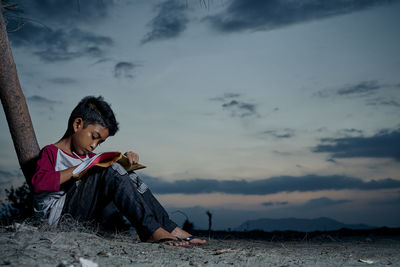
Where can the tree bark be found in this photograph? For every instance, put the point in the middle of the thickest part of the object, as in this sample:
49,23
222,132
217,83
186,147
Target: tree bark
15,108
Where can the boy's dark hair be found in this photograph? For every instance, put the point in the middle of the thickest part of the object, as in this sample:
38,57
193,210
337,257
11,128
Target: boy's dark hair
93,110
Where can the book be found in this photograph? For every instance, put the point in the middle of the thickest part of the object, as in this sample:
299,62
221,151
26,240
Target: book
105,160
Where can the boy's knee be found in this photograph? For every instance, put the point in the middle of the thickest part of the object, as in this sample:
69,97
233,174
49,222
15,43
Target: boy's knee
140,186
118,168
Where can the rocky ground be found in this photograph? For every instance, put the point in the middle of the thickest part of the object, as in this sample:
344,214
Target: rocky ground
28,246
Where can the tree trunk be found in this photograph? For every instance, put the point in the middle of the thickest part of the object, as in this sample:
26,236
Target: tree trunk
15,108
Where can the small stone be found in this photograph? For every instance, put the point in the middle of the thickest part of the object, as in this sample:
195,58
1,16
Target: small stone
366,261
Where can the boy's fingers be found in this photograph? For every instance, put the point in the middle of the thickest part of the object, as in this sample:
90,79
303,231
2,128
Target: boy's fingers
135,158
132,157
131,160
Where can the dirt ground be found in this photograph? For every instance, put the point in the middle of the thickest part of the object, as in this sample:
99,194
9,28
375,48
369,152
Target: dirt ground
27,246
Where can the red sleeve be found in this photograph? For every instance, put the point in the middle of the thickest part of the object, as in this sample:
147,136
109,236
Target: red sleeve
45,177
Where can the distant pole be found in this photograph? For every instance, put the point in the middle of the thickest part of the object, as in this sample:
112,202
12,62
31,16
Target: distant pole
209,214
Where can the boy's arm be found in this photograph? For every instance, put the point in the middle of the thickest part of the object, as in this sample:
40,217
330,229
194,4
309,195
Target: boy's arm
46,178
66,174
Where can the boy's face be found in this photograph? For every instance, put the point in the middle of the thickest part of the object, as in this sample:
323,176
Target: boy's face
85,140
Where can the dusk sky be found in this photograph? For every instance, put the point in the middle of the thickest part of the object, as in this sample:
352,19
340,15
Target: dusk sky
249,109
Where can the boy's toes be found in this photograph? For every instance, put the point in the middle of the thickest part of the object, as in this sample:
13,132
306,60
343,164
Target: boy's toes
174,242
193,240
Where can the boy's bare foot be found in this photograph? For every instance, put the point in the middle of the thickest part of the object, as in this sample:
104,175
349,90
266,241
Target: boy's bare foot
164,237
182,234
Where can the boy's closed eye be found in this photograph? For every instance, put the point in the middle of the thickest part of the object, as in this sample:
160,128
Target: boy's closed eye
95,136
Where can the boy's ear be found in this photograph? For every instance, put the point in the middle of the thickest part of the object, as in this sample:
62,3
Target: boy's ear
77,124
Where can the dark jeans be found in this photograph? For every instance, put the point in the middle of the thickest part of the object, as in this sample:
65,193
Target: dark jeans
86,200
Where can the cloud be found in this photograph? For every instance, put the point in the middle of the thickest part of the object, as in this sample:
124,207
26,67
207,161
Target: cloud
382,145
225,97
6,174
42,100
62,80
308,183
285,133
360,89
323,202
60,45
124,69
264,15
65,11
332,161
389,201
240,109
350,131
380,101
363,88
7,178
282,153
235,106
170,21
370,90
102,60
278,203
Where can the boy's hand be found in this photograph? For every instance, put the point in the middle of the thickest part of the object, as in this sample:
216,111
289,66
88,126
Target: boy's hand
132,157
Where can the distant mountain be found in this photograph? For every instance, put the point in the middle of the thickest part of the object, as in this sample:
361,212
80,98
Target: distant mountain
300,225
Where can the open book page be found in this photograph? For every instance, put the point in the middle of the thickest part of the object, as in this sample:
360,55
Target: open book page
105,159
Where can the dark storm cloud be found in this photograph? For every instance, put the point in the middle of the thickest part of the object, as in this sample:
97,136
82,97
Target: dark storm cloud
268,186
124,69
271,14
385,144
281,134
42,100
170,21
60,45
270,203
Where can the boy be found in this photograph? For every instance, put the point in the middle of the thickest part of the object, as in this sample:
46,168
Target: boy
57,193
